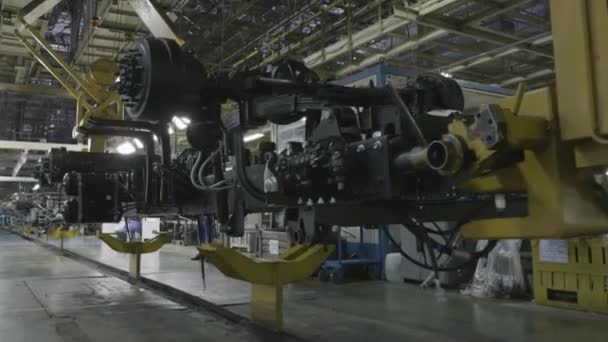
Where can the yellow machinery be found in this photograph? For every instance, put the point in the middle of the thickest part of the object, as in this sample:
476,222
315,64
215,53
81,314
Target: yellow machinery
268,277
558,176
136,248
61,234
92,91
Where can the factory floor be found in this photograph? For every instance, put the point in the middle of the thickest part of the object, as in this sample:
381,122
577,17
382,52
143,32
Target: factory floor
47,297
62,295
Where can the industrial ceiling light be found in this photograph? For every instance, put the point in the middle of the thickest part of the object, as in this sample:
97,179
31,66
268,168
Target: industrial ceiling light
126,148
138,143
36,187
180,122
446,74
252,137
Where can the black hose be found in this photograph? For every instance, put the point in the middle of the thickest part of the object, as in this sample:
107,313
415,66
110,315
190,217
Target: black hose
239,167
476,255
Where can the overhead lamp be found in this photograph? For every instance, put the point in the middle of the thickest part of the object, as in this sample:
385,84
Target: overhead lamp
138,143
36,187
181,122
126,148
252,137
446,74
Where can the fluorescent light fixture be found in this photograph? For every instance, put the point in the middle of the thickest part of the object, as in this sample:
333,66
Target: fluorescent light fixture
228,169
180,122
456,68
252,137
446,74
36,187
481,60
506,53
126,148
171,130
138,143
543,40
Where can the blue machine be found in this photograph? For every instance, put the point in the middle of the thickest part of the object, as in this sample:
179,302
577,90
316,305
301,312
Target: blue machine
360,257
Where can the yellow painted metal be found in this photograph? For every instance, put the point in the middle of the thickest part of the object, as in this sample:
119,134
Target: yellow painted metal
267,305
59,233
267,277
94,98
583,278
103,72
590,154
581,49
559,204
136,247
298,263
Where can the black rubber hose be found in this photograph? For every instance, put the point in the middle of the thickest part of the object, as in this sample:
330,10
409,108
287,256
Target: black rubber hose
476,255
239,166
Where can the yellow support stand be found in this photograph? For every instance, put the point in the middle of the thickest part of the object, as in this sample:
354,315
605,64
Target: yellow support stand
60,234
267,277
136,248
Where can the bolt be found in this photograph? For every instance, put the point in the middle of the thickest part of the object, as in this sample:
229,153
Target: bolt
309,202
320,201
332,200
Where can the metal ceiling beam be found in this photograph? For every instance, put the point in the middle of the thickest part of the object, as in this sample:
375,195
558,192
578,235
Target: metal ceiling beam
38,146
466,31
35,90
534,75
155,19
102,9
496,10
357,39
20,162
487,56
396,51
8,179
37,9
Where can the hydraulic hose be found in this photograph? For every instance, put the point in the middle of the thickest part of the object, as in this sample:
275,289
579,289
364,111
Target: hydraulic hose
239,167
476,255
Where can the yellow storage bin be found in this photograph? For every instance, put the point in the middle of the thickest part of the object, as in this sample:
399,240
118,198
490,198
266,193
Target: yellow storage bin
572,273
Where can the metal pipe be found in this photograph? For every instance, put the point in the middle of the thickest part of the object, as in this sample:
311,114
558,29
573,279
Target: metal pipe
50,68
162,134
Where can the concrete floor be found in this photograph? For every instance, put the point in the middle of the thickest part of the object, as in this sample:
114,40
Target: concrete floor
47,297
364,311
